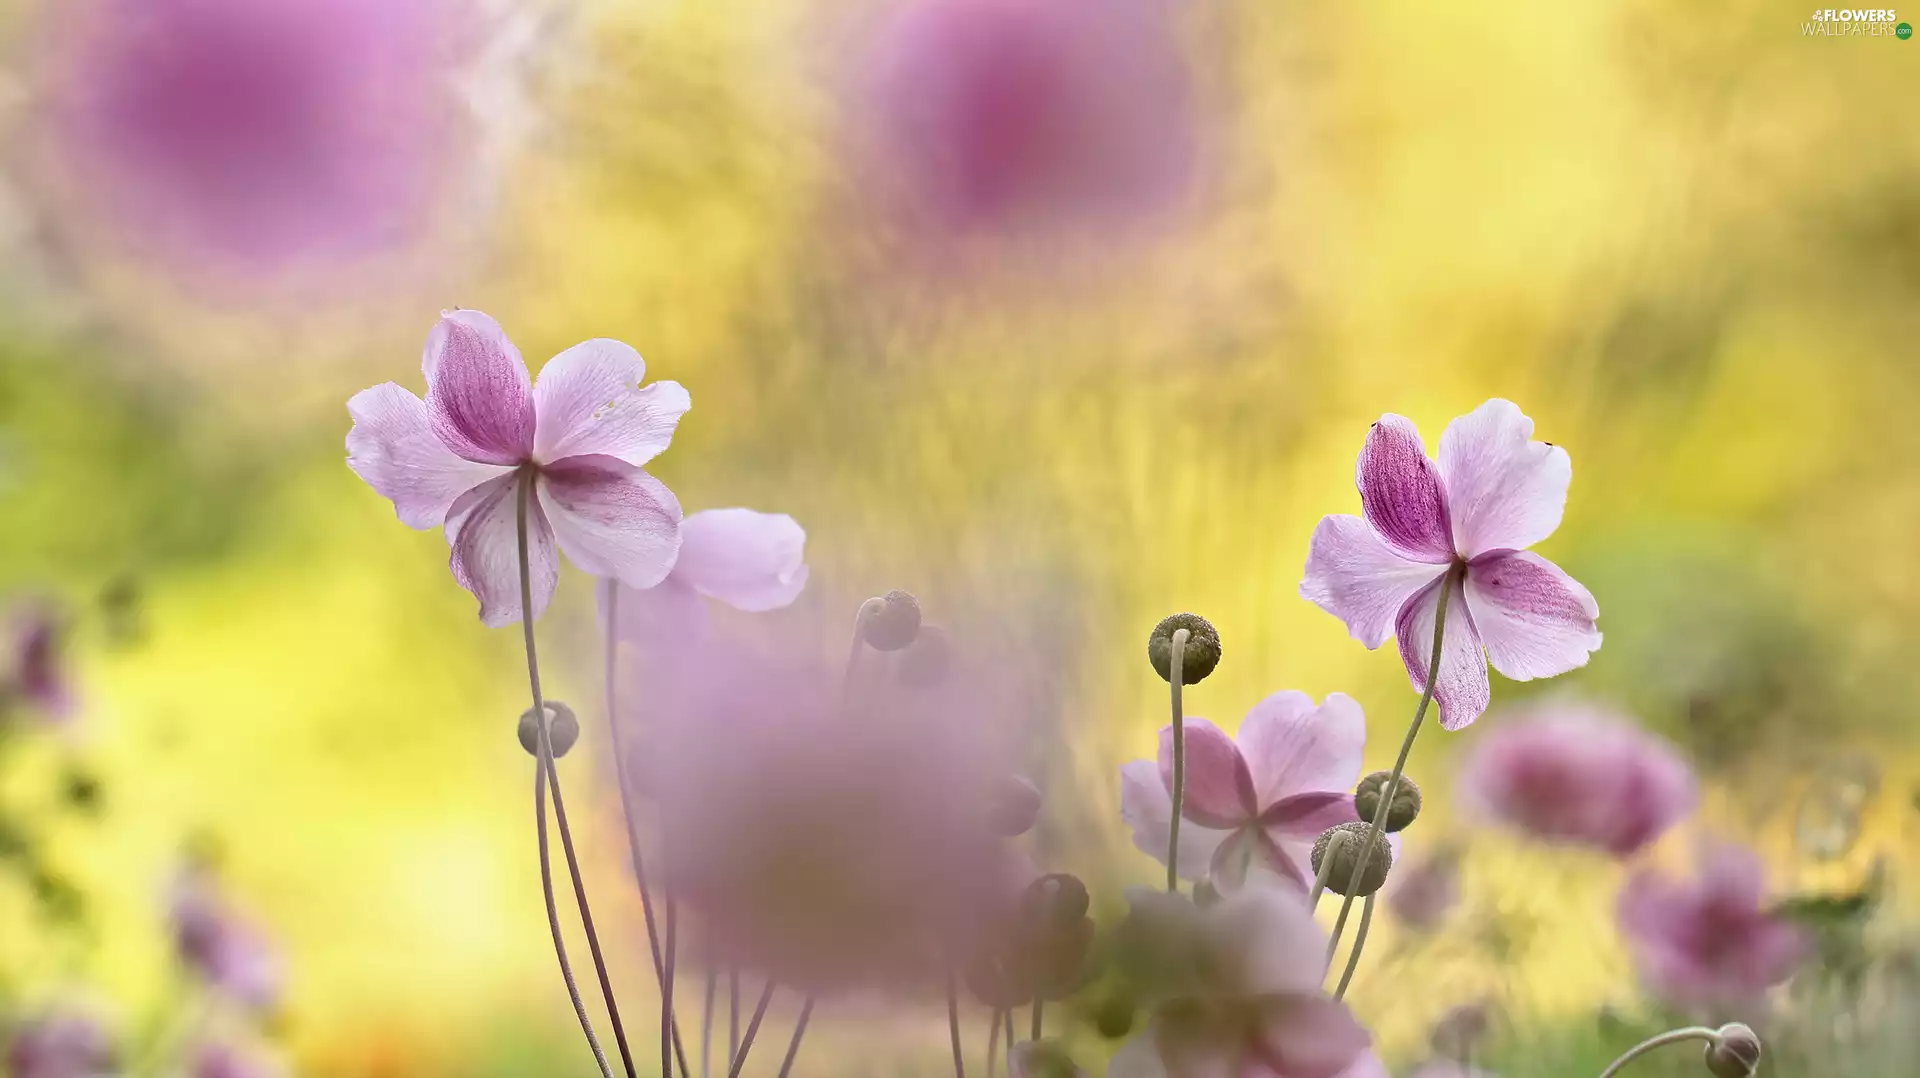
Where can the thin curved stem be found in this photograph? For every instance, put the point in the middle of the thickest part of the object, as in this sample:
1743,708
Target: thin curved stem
1039,1008
1672,1036
733,1012
753,1028
1176,677
953,1024
1392,788
706,1011
1007,1019
586,915
1327,858
668,1026
624,781
542,771
1359,942
799,1031
993,1040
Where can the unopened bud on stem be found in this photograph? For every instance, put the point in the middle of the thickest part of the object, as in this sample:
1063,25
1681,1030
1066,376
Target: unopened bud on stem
1202,652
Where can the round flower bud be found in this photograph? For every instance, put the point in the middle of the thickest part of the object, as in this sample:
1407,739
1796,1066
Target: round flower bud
1406,800
892,623
1734,1052
926,662
1056,901
1013,806
1202,652
1349,855
1113,1015
1460,1030
563,729
996,978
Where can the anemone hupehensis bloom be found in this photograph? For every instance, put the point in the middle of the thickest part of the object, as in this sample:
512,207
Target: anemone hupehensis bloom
749,560
579,438
1465,523
1711,940
1258,803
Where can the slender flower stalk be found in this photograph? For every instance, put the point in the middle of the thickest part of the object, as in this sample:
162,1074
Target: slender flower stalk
626,806
993,1041
1359,942
1176,678
1039,1007
953,1025
706,1016
1334,846
733,1012
753,1030
1399,764
799,1031
667,1023
541,772
1672,1036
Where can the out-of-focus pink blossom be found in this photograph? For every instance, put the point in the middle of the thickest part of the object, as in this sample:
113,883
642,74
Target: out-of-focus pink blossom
830,841
1239,991
221,946
60,1044
580,437
218,1060
1575,773
1464,522
1421,893
1018,117
37,673
750,561
257,137
1710,940
1258,803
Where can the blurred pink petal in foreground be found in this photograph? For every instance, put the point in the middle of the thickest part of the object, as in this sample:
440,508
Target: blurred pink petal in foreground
748,560
1463,522
1421,893
60,1044
255,136
1026,116
829,845
219,946
1256,804
1237,990
580,436
37,673
1574,773
1711,939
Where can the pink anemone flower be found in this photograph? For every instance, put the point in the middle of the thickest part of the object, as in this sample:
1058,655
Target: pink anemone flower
1420,894
1710,940
61,1044
1242,993
1256,803
1464,523
1572,773
748,560
578,438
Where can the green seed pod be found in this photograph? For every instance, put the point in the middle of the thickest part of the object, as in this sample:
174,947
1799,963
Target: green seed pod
1202,652
1734,1052
893,623
1341,874
1406,800
563,729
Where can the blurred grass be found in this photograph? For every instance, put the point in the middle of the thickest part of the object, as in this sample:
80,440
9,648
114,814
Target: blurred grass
1683,239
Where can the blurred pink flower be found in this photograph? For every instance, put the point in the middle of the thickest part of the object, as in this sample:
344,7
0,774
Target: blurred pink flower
256,136
37,673
60,1044
216,1060
750,561
580,437
1019,116
1241,994
830,844
1421,893
1574,773
1258,803
224,949
1493,493
1709,940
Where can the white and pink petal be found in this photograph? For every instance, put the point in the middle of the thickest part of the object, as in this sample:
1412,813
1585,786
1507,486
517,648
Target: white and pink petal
483,530
479,396
1505,490
1535,620
590,402
748,560
1292,745
1461,690
612,519
1218,790
393,447
1353,575
1147,809
1401,493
